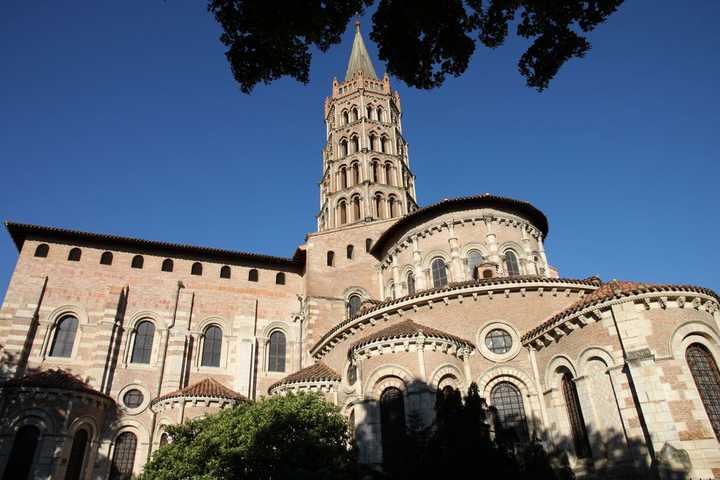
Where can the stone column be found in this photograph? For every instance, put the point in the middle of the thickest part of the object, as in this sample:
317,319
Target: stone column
396,276
368,433
381,284
491,241
456,269
543,257
420,283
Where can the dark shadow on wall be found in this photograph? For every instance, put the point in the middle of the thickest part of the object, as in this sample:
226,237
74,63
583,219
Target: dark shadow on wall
464,434
51,411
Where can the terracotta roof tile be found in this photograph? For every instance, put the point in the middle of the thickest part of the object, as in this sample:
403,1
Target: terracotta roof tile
408,329
317,372
54,378
608,291
207,388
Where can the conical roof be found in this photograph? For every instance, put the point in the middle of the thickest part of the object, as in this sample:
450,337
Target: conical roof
359,58
317,372
54,379
207,388
408,329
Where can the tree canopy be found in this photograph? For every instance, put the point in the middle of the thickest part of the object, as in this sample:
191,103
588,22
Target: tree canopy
293,436
420,41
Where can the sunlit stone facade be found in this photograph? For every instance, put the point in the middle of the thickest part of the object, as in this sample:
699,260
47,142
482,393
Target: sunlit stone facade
107,340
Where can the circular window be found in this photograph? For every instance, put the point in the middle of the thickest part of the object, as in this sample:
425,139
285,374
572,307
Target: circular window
352,374
133,398
498,341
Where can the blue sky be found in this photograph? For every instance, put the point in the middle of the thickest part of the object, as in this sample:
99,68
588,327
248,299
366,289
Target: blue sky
123,118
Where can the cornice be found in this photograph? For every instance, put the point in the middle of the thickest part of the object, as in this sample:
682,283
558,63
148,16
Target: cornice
508,219
455,291
651,297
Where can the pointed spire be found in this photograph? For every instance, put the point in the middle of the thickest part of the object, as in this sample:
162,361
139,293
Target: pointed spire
359,57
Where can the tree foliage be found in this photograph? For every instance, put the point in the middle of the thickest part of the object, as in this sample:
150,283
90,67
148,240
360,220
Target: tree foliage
420,41
288,437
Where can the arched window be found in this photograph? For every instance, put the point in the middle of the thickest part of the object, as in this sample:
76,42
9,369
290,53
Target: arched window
225,272
106,258
354,115
345,117
707,380
355,144
349,251
343,178
575,416
167,265
356,209
380,114
343,147
507,400
164,439
355,173
137,262
123,458
392,420
375,172
368,244
379,210
330,258
411,283
280,278
77,455
342,212
390,291
212,347
439,273
74,255
42,250
384,145
354,302
20,460
474,258
276,352
511,263
196,269
388,174
142,347
368,112
64,337
372,142
253,275
392,204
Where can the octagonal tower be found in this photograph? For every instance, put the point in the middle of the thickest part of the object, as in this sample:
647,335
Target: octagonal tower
366,169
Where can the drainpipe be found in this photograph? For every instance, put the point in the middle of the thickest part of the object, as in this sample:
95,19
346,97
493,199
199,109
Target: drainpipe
253,355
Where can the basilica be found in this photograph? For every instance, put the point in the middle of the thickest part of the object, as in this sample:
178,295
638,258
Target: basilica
107,340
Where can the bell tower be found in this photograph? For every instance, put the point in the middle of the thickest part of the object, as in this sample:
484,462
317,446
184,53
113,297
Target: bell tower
366,168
